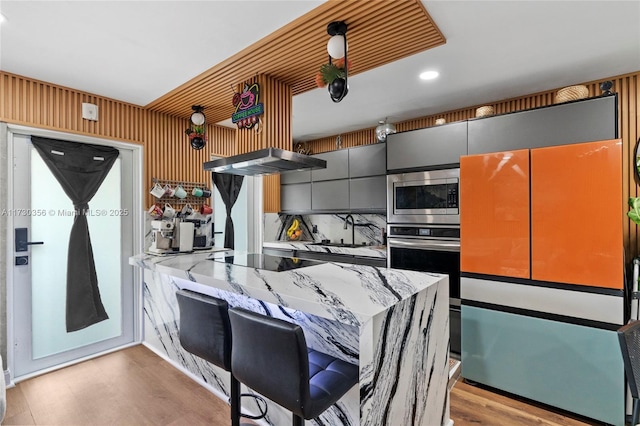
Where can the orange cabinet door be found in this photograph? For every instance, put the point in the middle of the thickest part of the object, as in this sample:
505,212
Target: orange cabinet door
577,214
494,214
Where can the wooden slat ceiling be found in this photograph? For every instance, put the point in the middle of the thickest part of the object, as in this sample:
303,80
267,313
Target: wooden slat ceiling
380,31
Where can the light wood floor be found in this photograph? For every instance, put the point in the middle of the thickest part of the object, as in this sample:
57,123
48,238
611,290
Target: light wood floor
136,387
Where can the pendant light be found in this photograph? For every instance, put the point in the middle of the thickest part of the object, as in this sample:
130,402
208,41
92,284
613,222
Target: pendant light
197,128
337,49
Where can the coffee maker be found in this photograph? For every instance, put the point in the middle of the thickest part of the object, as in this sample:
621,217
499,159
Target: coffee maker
171,236
162,235
202,233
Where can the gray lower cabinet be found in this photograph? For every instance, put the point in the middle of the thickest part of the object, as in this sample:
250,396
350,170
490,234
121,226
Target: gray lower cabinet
331,195
368,160
368,193
572,122
295,197
428,147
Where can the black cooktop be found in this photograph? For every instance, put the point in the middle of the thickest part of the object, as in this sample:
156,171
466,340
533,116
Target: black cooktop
266,261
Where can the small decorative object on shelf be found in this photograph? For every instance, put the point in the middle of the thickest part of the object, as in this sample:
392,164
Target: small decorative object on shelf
440,121
571,93
606,87
383,129
484,111
303,148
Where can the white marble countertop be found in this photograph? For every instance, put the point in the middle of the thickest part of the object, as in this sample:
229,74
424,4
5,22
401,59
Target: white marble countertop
365,251
351,294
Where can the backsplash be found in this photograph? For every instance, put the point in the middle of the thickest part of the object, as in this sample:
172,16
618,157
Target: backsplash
369,228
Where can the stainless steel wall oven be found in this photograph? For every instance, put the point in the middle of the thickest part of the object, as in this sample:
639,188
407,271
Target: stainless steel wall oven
423,230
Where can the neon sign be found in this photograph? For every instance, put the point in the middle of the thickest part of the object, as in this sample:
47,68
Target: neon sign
247,107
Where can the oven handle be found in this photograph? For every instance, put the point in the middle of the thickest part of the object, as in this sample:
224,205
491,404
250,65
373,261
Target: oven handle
425,244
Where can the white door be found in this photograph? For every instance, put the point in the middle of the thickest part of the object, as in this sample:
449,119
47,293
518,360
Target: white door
39,205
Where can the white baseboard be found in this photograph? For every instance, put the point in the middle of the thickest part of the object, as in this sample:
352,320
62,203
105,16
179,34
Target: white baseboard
7,379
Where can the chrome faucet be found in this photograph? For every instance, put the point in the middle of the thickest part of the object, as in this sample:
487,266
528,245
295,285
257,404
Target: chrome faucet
353,228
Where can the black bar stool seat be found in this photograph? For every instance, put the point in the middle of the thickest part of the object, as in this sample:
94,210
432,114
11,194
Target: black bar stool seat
205,331
271,357
629,339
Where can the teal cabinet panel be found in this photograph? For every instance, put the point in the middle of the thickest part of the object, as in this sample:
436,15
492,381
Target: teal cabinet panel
572,367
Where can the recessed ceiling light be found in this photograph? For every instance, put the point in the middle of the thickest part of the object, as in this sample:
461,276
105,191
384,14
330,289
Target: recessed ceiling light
429,75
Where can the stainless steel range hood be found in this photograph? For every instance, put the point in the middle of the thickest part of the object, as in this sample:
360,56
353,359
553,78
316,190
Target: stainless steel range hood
266,161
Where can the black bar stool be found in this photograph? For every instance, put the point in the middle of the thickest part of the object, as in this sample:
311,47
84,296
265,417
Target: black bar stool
629,339
271,357
205,331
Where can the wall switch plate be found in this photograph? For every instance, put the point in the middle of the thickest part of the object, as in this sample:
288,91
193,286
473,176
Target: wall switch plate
89,111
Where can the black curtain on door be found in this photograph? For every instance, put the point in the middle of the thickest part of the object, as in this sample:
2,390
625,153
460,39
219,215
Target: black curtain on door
229,187
80,169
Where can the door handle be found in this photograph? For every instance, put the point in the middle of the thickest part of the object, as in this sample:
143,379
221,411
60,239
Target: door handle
21,240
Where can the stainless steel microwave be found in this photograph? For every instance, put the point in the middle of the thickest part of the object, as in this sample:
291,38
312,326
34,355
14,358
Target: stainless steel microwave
424,197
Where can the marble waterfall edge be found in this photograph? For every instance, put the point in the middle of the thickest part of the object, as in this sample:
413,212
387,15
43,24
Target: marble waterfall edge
393,323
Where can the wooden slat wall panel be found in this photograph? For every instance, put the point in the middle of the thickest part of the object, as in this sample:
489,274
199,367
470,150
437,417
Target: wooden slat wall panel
274,131
294,53
36,103
167,154
628,89
271,193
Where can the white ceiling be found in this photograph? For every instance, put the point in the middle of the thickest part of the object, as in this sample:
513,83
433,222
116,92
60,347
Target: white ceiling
136,51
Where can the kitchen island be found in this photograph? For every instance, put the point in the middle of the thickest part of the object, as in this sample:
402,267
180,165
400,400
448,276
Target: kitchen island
392,323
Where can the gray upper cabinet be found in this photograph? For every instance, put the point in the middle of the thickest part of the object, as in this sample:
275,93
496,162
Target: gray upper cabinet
296,177
330,195
337,166
425,148
368,160
354,180
295,197
573,122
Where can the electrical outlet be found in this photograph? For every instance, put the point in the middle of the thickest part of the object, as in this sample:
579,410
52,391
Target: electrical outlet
314,229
